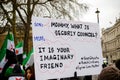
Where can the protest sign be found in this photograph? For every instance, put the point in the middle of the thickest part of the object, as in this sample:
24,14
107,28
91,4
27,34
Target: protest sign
63,47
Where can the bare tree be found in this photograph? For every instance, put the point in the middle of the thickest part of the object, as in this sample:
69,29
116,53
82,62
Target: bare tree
3,21
25,9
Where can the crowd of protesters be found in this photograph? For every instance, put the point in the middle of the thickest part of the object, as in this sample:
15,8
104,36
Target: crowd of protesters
109,72
18,73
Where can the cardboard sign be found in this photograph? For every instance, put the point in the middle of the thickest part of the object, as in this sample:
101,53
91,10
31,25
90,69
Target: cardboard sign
62,48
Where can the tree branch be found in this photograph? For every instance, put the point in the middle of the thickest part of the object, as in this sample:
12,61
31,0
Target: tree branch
61,11
20,16
47,9
34,6
19,13
23,10
4,2
6,13
4,28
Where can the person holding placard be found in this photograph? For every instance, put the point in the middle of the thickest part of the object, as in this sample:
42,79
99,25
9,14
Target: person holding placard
111,72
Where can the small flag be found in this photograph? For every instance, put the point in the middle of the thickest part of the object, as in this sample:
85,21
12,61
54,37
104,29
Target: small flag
28,61
8,53
2,63
3,50
9,70
17,78
17,73
19,48
19,52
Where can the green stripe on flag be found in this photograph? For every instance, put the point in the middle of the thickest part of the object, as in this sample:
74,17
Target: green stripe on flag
25,61
4,46
10,37
20,44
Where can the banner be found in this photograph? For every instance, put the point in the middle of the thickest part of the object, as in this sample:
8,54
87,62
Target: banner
62,48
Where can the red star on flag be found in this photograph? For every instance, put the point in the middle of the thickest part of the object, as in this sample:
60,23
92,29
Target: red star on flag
18,78
16,51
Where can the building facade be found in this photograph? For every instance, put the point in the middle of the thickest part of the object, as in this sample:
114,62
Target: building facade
111,42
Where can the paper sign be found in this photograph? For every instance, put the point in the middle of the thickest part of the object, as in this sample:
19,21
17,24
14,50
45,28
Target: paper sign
62,48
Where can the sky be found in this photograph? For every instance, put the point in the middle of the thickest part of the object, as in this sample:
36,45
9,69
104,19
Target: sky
109,11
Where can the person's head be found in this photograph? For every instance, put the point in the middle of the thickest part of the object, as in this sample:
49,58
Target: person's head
109,73
17,69
117,64
29,73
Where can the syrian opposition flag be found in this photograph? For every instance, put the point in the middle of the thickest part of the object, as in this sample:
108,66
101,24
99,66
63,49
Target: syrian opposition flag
9,53
19,48
9,70
13,70
28,61
2,64
19,52
16,78
3,59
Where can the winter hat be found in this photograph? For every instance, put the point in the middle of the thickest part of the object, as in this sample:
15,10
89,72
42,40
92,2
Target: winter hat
109,73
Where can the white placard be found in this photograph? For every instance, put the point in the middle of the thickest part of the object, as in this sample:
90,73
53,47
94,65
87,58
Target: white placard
63,47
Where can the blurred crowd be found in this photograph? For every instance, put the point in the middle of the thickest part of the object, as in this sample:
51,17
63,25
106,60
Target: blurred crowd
18,72
109,72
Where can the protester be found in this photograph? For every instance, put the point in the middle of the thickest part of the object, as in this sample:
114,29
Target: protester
29,73
17,73
110,72
104,64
